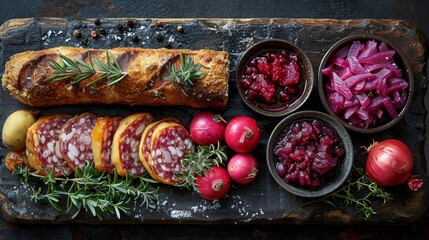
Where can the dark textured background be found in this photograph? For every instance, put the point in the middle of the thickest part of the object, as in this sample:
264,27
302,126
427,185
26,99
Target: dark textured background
415,11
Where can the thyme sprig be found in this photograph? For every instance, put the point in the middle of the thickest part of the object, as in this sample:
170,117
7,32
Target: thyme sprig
199,162
358,191
100,194
78,70
187,72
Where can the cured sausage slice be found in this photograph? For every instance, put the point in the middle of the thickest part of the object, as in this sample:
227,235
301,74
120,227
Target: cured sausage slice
126,141
43,147
75,140
102,139
145,144
170,143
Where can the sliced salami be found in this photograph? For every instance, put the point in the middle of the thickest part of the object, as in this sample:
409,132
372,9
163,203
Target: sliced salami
170,143
126,141
75,140
43,147
145,144
102,139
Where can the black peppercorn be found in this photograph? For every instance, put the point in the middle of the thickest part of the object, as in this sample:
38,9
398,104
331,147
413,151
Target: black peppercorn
167,44
84,40
158,37
97,22
135,38
77,33
130,22
120,27
101,31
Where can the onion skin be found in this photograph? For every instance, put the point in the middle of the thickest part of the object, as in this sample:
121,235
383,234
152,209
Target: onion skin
389,163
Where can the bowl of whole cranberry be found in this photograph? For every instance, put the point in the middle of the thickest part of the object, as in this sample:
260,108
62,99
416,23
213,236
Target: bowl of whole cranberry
366,83
274,77
309,154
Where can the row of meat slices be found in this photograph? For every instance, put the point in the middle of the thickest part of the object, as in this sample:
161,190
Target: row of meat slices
133,145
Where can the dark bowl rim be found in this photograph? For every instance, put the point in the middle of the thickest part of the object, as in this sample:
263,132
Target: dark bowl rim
407,71
303,58
345,167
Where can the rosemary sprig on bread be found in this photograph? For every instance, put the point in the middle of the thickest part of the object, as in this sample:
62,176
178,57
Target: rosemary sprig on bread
78,70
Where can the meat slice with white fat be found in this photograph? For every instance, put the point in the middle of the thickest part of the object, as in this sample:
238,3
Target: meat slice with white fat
43,146
170,143
126,141
75,140
145,144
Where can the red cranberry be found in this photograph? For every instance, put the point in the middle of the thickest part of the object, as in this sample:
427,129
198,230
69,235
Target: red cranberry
248,71
291,90
281,170
246,82
272,57
284,96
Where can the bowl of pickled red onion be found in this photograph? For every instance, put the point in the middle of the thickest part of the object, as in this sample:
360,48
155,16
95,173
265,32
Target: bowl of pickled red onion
274,77
309,154
366,83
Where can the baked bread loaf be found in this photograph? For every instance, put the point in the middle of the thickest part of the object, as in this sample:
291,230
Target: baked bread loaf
144,84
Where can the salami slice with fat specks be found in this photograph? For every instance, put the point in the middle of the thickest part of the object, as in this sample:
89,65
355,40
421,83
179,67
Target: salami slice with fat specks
75,140
126,141
145,144
102,139
43,147
170,143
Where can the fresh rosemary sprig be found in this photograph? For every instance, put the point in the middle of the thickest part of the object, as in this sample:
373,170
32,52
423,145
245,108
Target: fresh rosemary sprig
78,70
99,193
199,162
187,72
358,191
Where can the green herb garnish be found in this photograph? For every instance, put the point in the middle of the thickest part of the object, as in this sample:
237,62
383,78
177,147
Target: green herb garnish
358,191
78,70
199,162
187,72
101,194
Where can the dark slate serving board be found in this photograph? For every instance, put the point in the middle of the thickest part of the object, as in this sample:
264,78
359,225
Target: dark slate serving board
263,201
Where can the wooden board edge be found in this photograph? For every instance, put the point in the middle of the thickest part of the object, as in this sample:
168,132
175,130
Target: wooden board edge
23,22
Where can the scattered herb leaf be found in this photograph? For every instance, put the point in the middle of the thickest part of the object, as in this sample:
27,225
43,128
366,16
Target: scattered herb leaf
358,191
99,193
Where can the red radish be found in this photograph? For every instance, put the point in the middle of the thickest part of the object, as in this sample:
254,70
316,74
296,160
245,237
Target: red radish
243,168
389,162
213,184
242,134
207,128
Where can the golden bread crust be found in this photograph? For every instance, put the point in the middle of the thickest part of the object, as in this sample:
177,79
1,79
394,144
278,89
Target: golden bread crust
145,83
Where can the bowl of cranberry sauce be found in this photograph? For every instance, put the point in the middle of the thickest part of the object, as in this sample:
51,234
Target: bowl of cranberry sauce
274,77
310,154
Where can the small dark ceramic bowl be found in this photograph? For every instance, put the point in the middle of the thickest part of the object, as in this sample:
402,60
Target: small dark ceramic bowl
306,77
401,62
342,169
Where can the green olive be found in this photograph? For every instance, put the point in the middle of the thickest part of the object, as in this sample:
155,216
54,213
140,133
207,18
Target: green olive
15,129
